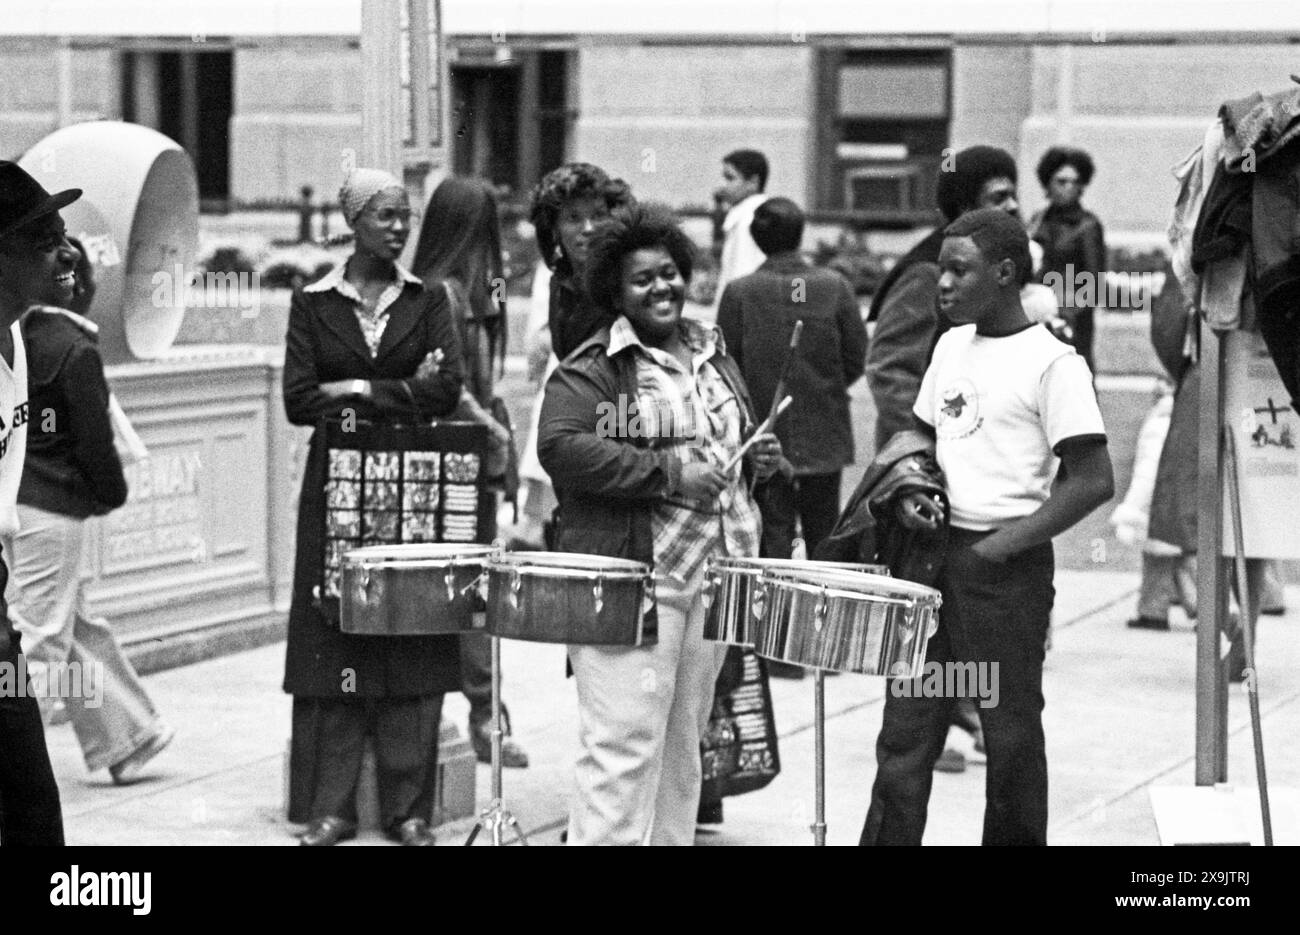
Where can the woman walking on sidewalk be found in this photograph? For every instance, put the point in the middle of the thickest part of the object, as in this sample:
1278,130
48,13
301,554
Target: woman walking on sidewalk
72,473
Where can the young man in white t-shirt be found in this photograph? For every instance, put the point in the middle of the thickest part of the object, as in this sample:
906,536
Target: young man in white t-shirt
34,259
1005,400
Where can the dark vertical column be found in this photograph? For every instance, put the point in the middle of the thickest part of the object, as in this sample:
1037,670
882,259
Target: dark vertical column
528,147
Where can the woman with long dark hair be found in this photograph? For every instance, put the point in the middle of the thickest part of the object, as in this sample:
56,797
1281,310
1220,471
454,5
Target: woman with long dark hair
369,341
460,250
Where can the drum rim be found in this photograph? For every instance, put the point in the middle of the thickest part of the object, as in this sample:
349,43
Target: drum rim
746,563
417,555
836,579
574,563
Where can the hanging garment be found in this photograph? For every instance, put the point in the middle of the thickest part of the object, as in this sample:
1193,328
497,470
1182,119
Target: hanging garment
1259,126
1194,175
1276,245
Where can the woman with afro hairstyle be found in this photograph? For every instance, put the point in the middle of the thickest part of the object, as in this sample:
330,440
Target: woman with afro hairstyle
1074,245
657,491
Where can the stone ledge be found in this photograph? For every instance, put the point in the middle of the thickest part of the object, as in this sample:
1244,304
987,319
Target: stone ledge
156,654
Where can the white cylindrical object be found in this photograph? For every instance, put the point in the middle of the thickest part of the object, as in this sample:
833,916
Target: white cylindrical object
138,218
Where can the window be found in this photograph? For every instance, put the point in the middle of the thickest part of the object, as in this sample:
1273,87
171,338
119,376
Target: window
883,129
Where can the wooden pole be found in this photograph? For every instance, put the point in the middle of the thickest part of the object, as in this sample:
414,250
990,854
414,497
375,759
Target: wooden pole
1211,578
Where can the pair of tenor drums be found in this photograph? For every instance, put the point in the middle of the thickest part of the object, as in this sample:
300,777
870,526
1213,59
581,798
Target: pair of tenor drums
548,597
826,615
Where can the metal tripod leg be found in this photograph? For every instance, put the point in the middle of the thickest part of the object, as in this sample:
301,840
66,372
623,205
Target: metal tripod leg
496,816
819,737
1247,627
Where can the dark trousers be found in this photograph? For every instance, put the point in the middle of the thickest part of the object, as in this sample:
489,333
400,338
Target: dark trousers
476,660
329,736
30,813
991,613
1084,327
813,499
476,676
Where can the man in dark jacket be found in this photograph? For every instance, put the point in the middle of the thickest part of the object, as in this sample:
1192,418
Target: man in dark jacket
905,308
757,314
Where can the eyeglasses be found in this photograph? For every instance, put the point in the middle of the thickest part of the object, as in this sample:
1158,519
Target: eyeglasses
388,216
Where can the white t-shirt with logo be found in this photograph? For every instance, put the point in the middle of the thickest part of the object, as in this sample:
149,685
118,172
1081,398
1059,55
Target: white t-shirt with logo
999,407
13,432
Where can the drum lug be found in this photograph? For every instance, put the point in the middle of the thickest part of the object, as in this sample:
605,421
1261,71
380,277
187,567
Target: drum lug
449,579
598,593
516,582
648,600
819,612
710,586
760,599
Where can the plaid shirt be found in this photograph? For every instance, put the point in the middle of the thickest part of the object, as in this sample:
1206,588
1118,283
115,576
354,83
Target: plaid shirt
695,413
372,322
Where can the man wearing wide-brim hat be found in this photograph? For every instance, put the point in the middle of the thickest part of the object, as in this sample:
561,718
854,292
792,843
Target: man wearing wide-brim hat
34,253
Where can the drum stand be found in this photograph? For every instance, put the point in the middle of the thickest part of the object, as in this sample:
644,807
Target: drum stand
819,756
496,817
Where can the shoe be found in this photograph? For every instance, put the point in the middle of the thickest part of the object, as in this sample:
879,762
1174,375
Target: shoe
1148,623
415,832
328,831
709,813
785,670
480,738
128,771
950,761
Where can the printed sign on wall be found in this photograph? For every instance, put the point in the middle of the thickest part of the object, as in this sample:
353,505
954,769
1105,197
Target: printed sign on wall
1267,430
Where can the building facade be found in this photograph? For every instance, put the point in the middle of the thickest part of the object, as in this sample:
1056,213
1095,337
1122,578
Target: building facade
855,111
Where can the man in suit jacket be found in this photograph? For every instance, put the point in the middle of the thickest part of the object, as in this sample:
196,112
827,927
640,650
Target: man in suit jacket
757,314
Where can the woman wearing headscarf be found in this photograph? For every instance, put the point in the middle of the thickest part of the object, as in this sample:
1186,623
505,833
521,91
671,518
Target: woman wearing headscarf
1074,245
367,341
658,492
460,250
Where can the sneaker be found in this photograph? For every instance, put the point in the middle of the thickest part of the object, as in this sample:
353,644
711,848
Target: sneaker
128,771
950,761
1148,623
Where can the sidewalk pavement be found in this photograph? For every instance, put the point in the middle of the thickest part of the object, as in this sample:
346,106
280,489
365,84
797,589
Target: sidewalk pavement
1120,720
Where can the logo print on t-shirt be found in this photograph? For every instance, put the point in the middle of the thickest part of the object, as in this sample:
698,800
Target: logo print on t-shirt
959,409
954,405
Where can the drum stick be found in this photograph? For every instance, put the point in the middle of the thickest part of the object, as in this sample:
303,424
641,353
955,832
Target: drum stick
785,369
780,387
763,429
